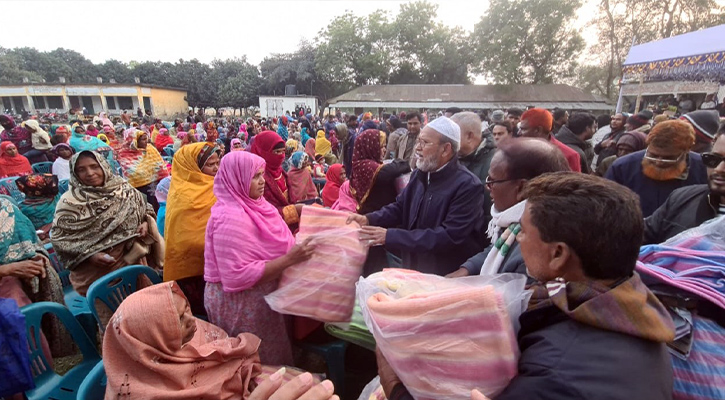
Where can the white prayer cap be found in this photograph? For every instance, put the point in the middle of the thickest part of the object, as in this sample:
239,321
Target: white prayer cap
446,127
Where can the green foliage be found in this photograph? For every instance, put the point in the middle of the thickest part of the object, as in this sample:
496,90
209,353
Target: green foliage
527,41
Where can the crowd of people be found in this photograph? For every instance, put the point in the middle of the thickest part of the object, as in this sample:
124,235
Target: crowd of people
213,204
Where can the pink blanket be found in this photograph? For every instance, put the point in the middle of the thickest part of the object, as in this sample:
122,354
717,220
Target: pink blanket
444,343
323,288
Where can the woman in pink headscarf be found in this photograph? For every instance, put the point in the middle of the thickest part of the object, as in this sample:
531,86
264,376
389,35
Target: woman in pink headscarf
239,273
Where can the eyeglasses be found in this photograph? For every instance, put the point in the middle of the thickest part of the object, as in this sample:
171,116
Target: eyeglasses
663,160
712,160
423,144
490,182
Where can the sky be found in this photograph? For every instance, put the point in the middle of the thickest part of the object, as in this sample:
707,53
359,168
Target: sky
166,30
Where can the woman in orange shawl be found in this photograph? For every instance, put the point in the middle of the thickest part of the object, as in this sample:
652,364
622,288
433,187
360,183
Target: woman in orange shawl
13,163
188,208
156,349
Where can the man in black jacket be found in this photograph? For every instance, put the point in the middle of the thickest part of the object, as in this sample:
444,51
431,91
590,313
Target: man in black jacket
690,206
592,329
576,134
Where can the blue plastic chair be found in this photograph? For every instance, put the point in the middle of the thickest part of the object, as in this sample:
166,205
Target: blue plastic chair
76,303
63,186
94,386
334,355
9,186
114,287
48,384
45,167
168,159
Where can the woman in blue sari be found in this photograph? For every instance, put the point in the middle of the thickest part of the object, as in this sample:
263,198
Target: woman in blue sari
79,141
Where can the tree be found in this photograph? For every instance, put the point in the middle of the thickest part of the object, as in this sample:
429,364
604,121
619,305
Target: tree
117,70
527,41
298,68
427,51
75,67
619,25
12,70
237,83
355,50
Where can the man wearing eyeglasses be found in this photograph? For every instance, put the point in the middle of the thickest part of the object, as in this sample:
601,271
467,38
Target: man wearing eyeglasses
690,206
437,222
665,165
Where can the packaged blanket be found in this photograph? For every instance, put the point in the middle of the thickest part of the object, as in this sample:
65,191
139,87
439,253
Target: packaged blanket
445,337
323,288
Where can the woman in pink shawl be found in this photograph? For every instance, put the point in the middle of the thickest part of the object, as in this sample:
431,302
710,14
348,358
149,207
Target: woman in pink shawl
248,246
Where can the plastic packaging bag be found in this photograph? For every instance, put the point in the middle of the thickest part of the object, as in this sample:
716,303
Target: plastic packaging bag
373,391
710,236
323,287
444,337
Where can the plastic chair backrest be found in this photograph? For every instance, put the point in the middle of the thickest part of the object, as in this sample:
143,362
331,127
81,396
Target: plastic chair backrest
115,286
44,375
12,189
63,273
63,186
94,384
45,167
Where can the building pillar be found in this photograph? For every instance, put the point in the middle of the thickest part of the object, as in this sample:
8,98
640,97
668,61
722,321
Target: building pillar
104,105
31,104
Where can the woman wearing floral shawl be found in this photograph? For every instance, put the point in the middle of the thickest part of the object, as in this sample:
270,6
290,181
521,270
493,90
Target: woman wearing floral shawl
142,164
26,275
41,198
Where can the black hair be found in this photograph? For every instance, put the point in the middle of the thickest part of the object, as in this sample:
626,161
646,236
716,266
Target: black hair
413,114
558,113
579,122
576,209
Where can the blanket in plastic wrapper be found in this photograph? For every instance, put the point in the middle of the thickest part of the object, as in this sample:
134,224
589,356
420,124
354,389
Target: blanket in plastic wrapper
444,337
323,287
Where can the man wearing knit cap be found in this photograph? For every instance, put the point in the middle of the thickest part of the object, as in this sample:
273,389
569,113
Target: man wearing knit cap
437,222
665,165
537,123
705,123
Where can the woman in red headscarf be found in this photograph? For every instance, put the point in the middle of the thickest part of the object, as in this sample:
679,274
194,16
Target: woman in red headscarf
13,163
270,146
335,178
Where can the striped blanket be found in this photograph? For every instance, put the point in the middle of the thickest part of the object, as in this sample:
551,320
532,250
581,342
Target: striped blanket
698,272
323,288
694,268
702,375
444,343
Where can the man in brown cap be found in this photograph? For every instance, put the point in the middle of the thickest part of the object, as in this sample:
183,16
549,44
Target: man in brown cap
665,165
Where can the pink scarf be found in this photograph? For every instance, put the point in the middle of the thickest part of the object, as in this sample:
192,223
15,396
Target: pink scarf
345,202
242,233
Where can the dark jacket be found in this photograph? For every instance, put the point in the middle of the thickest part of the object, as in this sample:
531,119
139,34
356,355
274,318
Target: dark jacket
583,148
685,208
605,152
554,350
627,171
383,190
479,163
436,222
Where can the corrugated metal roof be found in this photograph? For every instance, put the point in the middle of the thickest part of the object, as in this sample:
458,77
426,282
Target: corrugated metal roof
528,94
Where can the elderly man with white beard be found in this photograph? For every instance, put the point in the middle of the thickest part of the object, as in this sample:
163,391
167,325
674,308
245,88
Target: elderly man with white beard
437,222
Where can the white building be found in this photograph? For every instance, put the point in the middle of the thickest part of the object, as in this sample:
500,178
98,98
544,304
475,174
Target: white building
274,106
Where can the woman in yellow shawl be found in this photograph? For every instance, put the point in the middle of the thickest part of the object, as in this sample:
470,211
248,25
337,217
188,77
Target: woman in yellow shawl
142,164
324,147
188,208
